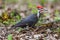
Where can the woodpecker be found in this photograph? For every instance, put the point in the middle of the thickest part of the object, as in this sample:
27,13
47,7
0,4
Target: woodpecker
30,20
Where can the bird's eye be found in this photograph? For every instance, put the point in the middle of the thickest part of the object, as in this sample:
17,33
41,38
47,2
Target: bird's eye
41,8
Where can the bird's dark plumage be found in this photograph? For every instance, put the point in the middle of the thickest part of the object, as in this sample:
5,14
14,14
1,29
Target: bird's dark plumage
30,21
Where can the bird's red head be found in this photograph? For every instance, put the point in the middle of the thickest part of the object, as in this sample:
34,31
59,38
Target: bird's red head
39,7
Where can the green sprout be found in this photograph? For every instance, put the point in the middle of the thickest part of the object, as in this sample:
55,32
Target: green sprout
10,37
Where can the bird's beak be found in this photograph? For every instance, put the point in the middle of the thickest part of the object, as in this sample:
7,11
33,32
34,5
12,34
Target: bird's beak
45,9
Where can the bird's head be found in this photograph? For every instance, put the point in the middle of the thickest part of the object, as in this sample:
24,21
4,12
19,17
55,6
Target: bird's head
41,9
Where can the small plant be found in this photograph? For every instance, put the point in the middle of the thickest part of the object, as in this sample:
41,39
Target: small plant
32,6
11,1
57,15
10,37
42,2
20,29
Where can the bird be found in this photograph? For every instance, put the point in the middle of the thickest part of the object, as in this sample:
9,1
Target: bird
30,20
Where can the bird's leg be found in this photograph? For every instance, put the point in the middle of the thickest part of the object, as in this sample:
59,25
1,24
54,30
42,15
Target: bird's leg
33,26
27,27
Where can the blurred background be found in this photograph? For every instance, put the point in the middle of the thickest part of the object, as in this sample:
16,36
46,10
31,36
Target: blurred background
13,11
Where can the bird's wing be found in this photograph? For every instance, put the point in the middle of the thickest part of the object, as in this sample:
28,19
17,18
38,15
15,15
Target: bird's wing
27,21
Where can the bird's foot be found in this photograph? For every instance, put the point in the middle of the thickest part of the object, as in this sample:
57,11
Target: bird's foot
27,27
